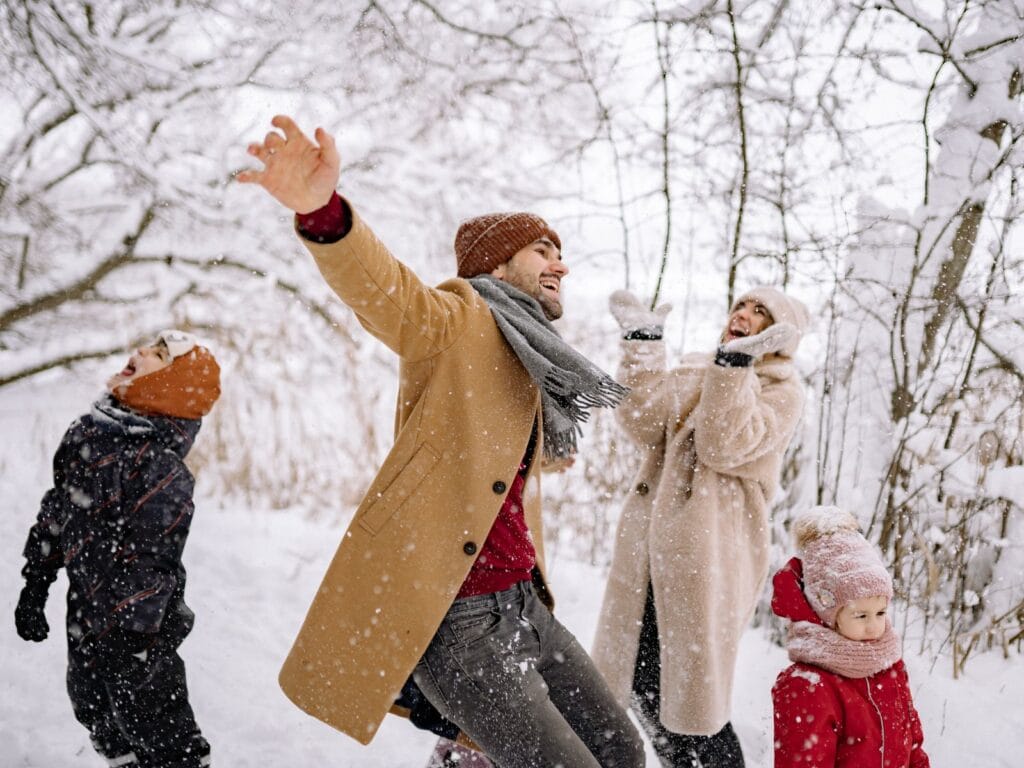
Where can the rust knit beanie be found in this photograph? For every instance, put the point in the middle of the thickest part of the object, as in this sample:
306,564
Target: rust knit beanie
185,389
486,242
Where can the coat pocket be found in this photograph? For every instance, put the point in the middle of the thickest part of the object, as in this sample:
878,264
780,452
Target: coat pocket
387,502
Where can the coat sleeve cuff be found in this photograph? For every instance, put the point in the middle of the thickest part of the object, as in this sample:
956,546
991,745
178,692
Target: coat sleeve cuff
328,224
732,359
652,333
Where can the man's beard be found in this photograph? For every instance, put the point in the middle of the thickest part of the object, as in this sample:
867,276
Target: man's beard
551,307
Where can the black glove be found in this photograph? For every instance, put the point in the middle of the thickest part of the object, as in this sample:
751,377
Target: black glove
728,359
422,713
30,615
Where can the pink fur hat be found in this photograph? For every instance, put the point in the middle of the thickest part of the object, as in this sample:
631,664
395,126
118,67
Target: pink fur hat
839,564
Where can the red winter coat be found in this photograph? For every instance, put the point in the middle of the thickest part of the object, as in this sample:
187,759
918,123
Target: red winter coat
823,719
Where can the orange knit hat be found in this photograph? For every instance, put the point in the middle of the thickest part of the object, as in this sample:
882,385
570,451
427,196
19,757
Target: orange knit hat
185,389
486,242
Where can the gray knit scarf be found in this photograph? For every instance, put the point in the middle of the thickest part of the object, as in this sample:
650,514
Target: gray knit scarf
569,383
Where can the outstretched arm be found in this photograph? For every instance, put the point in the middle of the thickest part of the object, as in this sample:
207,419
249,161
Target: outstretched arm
390,301
645,411
299,173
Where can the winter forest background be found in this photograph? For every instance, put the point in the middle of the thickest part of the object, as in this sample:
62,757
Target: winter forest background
865,156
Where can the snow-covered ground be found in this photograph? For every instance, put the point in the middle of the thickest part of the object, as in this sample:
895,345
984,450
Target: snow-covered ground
251,575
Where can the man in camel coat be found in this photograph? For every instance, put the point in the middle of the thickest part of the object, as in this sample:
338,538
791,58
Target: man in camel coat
691,551
439,580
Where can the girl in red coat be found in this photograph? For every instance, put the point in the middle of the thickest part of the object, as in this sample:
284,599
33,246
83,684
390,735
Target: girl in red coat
845,702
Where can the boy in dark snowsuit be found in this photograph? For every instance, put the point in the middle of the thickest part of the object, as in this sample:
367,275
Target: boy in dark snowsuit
116,519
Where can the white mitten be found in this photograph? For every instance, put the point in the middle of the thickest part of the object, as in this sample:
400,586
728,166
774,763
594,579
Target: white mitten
633,315
774,338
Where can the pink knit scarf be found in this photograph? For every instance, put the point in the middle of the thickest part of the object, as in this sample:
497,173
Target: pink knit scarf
823,647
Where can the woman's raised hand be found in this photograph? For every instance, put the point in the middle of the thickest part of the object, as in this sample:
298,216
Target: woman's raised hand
774,338
633,315
299,173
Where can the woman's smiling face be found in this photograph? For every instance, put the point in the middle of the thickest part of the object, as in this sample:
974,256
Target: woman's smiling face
747,318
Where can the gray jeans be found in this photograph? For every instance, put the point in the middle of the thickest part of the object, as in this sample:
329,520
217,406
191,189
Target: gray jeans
517,682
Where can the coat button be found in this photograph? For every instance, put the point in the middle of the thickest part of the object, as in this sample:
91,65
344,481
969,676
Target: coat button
469,548
499,486
642,489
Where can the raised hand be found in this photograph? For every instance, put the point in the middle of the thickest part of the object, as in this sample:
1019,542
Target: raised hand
774,338
299,173
633,315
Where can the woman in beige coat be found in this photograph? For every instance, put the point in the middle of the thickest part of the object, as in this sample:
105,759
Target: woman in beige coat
691,551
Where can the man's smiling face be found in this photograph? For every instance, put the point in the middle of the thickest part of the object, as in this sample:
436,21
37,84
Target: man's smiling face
537,270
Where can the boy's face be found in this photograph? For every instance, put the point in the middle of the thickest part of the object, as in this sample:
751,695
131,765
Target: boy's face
863,619
537,270
146,360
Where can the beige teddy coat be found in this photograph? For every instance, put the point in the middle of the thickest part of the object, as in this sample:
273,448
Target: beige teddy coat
695,524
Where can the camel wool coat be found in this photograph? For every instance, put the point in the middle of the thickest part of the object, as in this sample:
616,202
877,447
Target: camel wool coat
695,524
466,408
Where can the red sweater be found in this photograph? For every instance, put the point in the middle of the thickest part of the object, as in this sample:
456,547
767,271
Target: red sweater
825,720
507,556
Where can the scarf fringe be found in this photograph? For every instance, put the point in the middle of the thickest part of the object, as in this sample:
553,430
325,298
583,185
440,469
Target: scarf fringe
560,445
608,394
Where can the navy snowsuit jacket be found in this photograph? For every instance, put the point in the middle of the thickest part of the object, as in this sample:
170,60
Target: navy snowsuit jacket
117,519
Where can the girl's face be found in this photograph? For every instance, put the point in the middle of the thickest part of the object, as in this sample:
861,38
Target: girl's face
863,619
